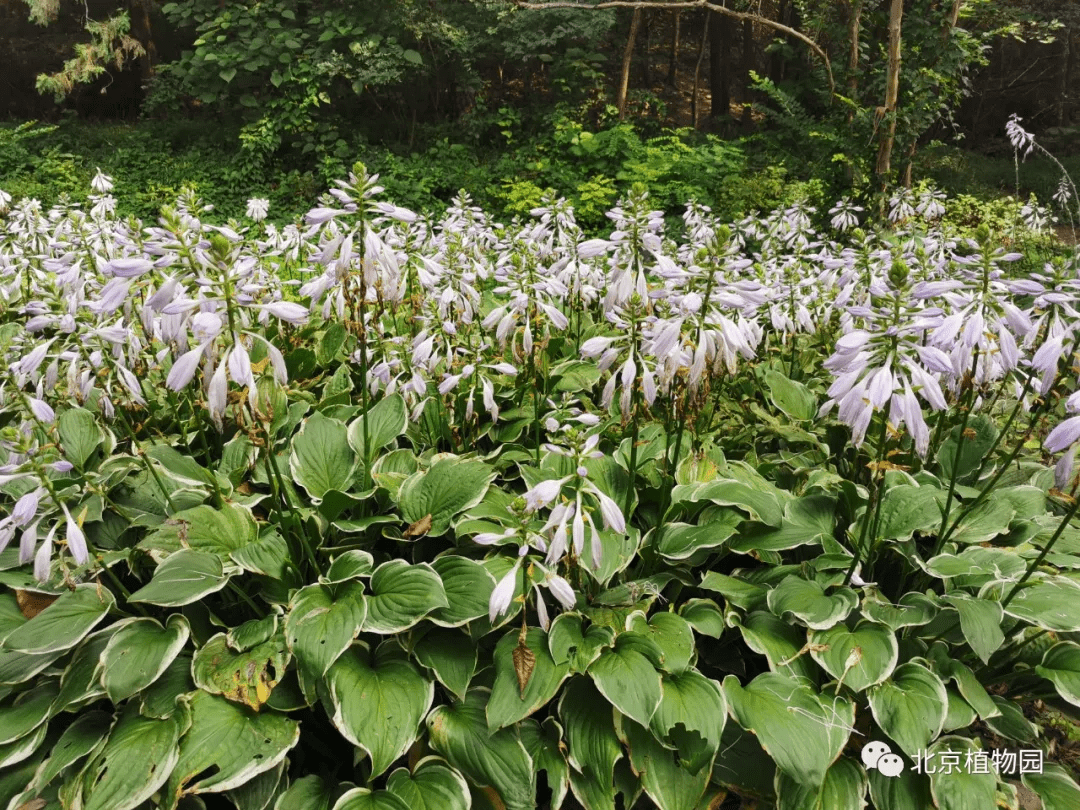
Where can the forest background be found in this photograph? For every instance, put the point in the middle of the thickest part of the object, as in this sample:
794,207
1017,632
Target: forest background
740,105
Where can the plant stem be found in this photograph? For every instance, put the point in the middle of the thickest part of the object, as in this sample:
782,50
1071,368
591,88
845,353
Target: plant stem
870,507
1042,555
955,466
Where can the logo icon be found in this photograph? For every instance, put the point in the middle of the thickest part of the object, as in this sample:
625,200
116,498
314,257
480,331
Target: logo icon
876,754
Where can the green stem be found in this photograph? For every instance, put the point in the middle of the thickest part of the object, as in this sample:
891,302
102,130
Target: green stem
955,466
138,451
870,507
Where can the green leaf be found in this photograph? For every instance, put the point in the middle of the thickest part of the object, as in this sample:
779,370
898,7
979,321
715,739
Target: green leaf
87,733
1055,787
1061,666
28,711
160,698
593,746
704,616
983,523
860,658
330,342
509,702
980,620
64,623
81,680
227,75
914,610
468,586
412,57
230,740
219,531
307,793
257,793
962,789
802,731
386,420
351,564
569,643
377,704
908,791
1010,722
80,435
23,748
134,764
760,505
1051,602
269,556
252,633
806,601
792,398
321,458
780,642
807,520
451,655
183,578
691,718
980,435
737,592
545,745
667,782
432,785
679,541
910,707
401,595
139,653
906,509
626,675
668,631
844,789
321,625
246,678
450,486
499,760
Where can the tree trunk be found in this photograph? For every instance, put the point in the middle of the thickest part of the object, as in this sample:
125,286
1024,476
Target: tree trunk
646,24
719,48
892,90
141,30
697,68
747,69
627,59
854,27
1066,69
673,61
776,61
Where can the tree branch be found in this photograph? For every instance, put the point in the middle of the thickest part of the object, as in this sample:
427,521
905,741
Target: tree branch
690,4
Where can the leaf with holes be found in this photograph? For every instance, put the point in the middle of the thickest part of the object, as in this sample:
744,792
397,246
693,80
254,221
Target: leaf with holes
670,784
246,677
227,745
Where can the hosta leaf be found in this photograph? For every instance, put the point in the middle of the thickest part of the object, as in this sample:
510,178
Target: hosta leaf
802,731
844,789
135,762
962,788
252,633
670,785
451,655
139,653
307,793
908,791
80,435
861,657
906,509
780,642
351,564
386,420
1061,666
1010,723
1052,603
377,703
321,625
914,610
88,732
183,578
910,707
81,680
737,592
257,793
791,398
64,623
246,677
24,713
364,799
499,760
321,458
509,702
16,667
228,745
1055,787
980,620
432,785
548,751
806,521
691,717
449,486
401,595
568,643
760,505
19,750
160,698
626,675
807,601
678,541
593,747
668,631
468,586
219,531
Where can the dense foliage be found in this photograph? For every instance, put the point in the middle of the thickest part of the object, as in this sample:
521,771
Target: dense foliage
387,511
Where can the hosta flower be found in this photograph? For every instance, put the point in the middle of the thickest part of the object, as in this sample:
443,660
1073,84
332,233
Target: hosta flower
257,208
